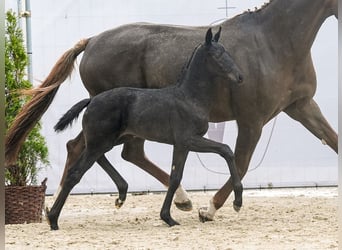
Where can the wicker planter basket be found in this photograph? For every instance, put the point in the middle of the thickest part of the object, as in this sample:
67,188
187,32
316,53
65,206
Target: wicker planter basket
24,204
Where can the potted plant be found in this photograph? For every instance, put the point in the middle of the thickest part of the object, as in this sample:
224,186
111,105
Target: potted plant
24,200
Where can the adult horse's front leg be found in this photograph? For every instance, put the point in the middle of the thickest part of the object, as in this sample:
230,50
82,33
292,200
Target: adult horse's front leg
133,151
307,112
248,136
178,161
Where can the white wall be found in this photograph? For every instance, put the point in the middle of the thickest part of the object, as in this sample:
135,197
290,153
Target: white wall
294,156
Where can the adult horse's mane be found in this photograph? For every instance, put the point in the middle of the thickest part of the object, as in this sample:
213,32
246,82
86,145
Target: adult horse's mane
256,9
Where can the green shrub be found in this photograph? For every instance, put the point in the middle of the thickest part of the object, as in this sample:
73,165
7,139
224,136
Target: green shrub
34,153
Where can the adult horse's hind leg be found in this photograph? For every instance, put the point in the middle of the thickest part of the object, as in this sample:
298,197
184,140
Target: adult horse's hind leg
307,112
133,151
117,178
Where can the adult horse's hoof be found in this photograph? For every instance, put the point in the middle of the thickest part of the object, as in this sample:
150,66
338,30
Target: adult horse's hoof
119,203
204,215
184,206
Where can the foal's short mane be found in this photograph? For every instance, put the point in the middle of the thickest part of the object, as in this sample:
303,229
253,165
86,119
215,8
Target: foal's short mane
186,65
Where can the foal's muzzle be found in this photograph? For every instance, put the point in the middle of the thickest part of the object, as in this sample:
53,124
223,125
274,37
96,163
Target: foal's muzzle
240,78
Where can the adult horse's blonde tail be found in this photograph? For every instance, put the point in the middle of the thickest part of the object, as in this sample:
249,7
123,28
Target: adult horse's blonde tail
42,97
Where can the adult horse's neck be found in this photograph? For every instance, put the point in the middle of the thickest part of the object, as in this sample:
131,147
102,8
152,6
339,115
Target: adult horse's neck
291,25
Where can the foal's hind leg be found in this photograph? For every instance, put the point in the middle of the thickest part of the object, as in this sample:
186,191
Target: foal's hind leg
117,178
133,151
74,149
72,177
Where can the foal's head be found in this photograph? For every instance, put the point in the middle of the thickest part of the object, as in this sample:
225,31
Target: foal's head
218,61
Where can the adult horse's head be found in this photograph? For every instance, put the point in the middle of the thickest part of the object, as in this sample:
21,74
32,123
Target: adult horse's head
219,58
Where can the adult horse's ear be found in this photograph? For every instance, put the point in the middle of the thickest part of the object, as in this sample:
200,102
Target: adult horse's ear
208,37
217,35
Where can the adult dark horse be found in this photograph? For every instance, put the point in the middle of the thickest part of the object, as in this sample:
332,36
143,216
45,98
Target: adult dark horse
176,115
271,46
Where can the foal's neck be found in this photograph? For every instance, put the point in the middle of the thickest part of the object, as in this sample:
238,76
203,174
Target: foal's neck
197,84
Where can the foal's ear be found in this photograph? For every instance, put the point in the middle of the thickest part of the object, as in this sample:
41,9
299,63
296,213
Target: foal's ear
208,37
217,35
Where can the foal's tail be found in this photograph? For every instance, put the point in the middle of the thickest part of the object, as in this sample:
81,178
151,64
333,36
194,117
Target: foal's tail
42,97
72,114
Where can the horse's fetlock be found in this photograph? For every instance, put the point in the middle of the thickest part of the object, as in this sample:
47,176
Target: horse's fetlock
165,215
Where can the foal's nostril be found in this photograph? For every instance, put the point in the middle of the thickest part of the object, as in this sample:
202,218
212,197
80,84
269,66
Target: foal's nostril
240,79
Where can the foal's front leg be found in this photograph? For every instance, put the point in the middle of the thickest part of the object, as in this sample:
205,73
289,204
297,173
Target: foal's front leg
201,144
120,182
133,151
179,157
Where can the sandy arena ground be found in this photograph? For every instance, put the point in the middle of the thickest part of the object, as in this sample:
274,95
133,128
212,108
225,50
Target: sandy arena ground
304,218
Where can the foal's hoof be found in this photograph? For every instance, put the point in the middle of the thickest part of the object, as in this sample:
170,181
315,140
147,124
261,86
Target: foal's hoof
118,203
168,219
237,207
204,215
171,222
53,225
184,206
